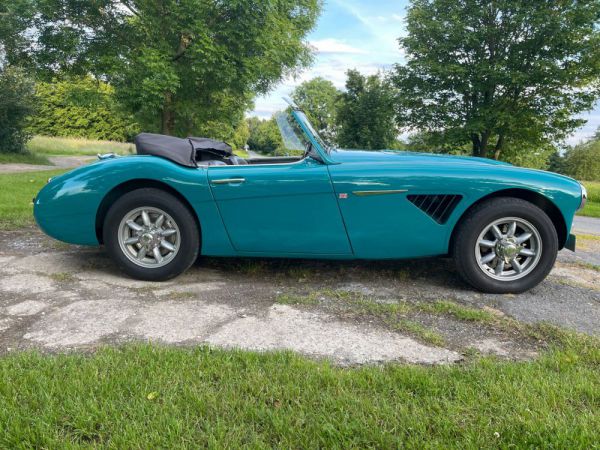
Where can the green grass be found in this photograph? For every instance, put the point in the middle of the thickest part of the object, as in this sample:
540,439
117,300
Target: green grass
45,145
16,192
592,208
156,397
24,158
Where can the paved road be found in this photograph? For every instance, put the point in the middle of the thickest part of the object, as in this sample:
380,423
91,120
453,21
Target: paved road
587,225
58,162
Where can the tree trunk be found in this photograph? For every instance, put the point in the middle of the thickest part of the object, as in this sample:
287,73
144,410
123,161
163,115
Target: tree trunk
499,147
476,144
168,115
483,149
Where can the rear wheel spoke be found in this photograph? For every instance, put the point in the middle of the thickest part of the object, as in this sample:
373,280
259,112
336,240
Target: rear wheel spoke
527,252
486,243
499,267
497,233
134,226
516,265
488,258
167,245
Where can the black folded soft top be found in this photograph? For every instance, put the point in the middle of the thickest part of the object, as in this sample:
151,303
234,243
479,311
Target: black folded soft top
181,151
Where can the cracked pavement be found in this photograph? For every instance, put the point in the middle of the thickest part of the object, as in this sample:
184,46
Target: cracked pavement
56,297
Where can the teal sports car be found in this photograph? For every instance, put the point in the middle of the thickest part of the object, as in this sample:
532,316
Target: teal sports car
156,211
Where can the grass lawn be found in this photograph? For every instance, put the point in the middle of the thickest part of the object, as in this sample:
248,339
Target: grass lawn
157,397
592,208
45,145
16,192
23,158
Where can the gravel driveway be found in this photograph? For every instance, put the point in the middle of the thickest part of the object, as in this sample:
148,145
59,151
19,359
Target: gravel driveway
57,297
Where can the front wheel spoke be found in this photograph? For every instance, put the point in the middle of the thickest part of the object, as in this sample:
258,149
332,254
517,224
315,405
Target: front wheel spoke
527,252
515,265
487,244
499,267
158,223
134,226
168,232
156,254
524,237
488,258
497,233
146,218
142,253
131,240
512,228
167,245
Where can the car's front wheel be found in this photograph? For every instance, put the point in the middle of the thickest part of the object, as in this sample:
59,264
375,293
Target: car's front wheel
505,245
151,235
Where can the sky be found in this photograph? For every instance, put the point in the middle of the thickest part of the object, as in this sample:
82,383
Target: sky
362,34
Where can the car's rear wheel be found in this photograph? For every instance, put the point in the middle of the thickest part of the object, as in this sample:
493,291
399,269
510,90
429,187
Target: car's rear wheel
505,245
151,235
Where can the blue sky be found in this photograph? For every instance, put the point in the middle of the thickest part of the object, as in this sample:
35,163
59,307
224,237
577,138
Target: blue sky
355,34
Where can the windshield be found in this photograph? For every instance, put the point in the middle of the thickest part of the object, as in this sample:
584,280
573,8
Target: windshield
293,139
297,134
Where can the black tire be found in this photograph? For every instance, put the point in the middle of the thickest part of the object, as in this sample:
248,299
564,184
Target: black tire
189,233
483,215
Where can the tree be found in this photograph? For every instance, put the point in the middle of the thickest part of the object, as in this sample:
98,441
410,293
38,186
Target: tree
177,64
489,73
319,99
241,135
366,113
80,107
583,161
264,135
16,103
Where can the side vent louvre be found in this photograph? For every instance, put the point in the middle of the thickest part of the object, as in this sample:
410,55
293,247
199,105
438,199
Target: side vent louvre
438,207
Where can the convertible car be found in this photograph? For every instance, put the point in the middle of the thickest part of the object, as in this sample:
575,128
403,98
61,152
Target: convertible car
156,211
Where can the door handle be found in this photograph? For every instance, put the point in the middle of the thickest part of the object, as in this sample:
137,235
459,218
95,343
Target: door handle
229,181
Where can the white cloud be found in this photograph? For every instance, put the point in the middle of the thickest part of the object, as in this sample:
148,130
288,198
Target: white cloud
335,46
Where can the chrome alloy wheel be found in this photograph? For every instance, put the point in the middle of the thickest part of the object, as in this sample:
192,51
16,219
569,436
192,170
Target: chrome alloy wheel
149,237
508,249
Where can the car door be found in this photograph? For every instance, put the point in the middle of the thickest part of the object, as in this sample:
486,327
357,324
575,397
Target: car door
280,209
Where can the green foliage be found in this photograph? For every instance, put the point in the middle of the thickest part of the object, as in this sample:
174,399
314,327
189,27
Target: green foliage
319,99
81,107
241,135
366,113
182,66
583,161
264,136
498,74
16,103
592,207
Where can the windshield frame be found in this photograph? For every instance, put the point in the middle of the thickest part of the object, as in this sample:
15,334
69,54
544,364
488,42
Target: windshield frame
318,144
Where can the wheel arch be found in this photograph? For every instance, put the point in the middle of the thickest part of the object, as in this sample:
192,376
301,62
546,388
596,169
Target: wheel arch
539,200
132,185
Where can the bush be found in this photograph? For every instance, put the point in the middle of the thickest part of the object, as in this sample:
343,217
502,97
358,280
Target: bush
16,103
83,108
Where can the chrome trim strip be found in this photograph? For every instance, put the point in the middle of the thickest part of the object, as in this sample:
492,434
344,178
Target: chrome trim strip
381,192
228,181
